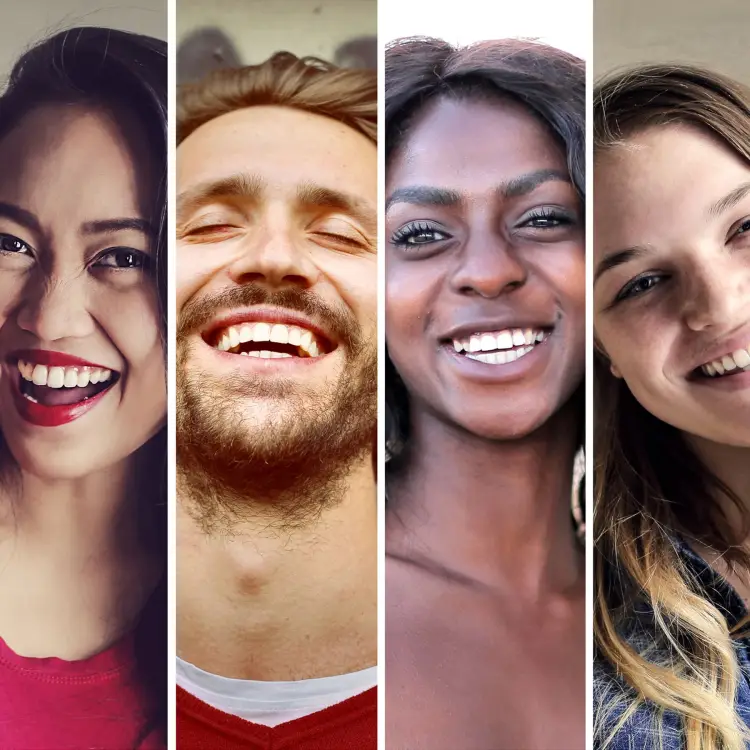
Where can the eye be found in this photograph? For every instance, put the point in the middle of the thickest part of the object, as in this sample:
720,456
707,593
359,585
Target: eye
123,258
546,217
11,244
340,230
640,285
743,228
418,233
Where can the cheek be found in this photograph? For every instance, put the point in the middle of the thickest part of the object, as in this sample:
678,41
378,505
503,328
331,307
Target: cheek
196,266
11,287
408,299
356,282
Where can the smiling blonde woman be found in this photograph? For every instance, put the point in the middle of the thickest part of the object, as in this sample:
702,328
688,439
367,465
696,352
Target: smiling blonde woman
672,410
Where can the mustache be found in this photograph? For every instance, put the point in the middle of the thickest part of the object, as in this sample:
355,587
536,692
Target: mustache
338,320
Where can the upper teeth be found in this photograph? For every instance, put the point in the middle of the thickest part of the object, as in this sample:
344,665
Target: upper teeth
233,336
736,360
62,377
491,341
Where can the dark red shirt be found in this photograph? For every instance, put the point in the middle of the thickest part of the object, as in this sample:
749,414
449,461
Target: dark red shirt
349,725
93,704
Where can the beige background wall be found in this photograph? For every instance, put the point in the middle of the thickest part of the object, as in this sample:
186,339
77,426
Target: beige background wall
258,28
715,33
27,21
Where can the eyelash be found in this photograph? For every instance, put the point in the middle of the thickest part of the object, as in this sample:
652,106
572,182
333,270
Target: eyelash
629,291
554,217
407,234
140,260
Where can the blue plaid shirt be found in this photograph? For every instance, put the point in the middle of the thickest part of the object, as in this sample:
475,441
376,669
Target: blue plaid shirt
649,728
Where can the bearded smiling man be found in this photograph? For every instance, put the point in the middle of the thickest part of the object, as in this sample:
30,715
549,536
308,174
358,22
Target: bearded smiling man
277,407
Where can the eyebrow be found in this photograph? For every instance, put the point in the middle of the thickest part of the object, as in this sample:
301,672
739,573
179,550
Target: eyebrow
241,185
102,226
730,200
423,195
251,188
619,258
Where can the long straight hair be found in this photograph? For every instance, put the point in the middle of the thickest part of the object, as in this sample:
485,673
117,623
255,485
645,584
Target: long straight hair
651,488
109,68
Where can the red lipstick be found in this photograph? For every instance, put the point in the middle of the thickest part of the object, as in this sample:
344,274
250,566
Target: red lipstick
54,415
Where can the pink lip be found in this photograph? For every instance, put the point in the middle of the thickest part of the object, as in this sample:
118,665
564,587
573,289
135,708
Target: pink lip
52,359
266,315
729,345
736,382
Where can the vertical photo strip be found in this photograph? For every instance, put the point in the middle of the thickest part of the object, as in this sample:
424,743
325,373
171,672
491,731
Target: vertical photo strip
485,309
671,297
83,397
276,268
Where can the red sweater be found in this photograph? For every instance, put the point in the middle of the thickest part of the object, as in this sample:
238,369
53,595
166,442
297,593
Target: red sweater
52,704
349,725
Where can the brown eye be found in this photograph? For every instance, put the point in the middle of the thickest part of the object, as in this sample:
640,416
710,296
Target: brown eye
121,258
11,244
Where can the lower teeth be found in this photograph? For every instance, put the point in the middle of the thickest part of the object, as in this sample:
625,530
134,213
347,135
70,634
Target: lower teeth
499,357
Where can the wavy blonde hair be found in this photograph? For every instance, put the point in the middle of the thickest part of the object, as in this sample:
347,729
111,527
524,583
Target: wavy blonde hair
650,488
308,84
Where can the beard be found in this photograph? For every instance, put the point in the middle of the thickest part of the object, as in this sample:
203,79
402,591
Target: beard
283,469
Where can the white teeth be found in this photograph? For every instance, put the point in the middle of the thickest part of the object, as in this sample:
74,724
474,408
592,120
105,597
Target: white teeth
739,359
55,377
280,334
505,340
39,376
499,347
488,342
233,336
62,377
262,332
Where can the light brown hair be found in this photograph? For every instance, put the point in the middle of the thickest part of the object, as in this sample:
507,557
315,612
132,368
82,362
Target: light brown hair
650,487
307,84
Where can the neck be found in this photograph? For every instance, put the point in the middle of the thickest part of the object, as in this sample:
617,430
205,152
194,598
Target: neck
73,562
491,512
271,603
730,464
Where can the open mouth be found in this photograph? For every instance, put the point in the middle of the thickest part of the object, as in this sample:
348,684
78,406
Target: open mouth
268,340
734,363
55,386
500,347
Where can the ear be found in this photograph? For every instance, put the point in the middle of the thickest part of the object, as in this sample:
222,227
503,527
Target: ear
613,369
603,353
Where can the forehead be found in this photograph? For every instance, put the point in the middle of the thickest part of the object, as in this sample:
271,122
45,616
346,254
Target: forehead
661,182
283,147
473,145
73,160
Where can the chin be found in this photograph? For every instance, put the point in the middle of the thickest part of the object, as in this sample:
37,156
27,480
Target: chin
58,462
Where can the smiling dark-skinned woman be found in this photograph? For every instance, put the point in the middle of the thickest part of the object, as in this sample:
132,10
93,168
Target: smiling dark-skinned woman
485,331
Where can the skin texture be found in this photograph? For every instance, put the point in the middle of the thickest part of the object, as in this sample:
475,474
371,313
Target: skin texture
694,277
484,579
74,573
256,601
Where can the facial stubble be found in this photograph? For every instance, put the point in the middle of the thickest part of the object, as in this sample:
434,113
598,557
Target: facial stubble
286,466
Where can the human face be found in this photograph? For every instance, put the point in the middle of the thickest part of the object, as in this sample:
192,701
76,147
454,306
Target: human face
276,289
485,252
77,301
672,288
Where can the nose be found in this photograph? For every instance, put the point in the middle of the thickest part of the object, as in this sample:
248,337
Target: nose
717,293
488,267
52,309
275,257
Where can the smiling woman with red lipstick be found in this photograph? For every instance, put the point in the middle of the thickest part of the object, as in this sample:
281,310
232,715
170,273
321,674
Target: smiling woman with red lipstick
672,410
82,394
485,322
